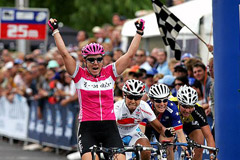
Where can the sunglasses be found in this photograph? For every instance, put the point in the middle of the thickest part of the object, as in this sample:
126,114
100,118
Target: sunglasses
131,97
161,100
92,60
178,84
187,106
139,55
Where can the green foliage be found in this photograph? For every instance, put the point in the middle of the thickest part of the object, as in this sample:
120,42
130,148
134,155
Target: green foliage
85,14
98,12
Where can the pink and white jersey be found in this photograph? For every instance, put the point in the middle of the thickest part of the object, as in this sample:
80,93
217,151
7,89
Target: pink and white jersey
95,95
128,122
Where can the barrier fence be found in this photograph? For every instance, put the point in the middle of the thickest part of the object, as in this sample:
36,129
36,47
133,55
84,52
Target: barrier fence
57,128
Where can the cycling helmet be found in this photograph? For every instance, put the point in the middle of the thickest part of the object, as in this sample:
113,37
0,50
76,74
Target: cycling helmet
92,49
187,96
158,91
134,87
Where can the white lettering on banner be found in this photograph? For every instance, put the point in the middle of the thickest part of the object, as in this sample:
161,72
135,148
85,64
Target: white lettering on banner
32,118
40,126
24,15
21,31
49,124
15,116
69,125
59,129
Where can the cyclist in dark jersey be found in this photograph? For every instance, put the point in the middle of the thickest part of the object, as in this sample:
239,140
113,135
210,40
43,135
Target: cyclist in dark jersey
166,112
194,119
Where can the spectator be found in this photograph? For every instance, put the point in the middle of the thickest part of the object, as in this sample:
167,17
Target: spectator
117,53
186,56
162,66
82,38
201,100
211,96
180,70
189,63
151,61
140,58
178,82
168,80
149,78
171,64
97,33
200,73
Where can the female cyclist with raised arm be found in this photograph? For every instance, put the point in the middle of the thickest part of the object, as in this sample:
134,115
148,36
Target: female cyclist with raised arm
94,85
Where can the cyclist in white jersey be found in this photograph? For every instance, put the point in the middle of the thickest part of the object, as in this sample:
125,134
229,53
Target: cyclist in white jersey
94,85
131,111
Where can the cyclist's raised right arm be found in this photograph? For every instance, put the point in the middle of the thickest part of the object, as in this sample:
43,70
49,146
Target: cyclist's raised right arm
69,62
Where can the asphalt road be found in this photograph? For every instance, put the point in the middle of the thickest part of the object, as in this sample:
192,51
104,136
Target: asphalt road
15,152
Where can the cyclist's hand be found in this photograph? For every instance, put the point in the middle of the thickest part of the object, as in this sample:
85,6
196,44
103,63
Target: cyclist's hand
170,132
140,26
213,156
187,154
53,24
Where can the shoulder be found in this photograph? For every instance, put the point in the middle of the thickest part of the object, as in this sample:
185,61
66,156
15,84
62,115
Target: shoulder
144,104
119,103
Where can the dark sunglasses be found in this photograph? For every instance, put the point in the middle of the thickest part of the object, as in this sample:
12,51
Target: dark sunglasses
139,55
161,100
92,60
187,106
178,84
131,97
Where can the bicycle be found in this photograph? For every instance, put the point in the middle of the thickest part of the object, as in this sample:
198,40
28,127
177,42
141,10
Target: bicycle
110,152
161,153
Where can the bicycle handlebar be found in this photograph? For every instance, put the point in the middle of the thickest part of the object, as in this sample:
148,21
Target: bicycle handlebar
111,151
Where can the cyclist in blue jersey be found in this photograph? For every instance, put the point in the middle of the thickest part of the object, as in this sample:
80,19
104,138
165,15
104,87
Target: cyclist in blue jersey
166,112
194,120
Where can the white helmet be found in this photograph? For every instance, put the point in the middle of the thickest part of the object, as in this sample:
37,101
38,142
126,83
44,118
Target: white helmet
187,95
158,91
134,87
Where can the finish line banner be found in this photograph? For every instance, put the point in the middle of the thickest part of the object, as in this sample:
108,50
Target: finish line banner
28,23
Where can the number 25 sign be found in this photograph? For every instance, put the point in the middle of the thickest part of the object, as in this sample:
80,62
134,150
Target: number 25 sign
23,24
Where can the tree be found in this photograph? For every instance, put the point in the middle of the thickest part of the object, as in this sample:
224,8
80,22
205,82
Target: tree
84,15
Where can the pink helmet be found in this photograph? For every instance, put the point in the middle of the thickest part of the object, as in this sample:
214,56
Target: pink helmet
92,49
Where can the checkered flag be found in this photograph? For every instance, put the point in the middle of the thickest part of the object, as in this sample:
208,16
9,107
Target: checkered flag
169,26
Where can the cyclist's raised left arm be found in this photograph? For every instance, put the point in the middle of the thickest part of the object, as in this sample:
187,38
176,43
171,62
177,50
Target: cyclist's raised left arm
123,62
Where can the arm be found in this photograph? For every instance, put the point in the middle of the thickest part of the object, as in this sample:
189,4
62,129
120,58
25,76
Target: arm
123,62
69,62
158,127
208,135
181,138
